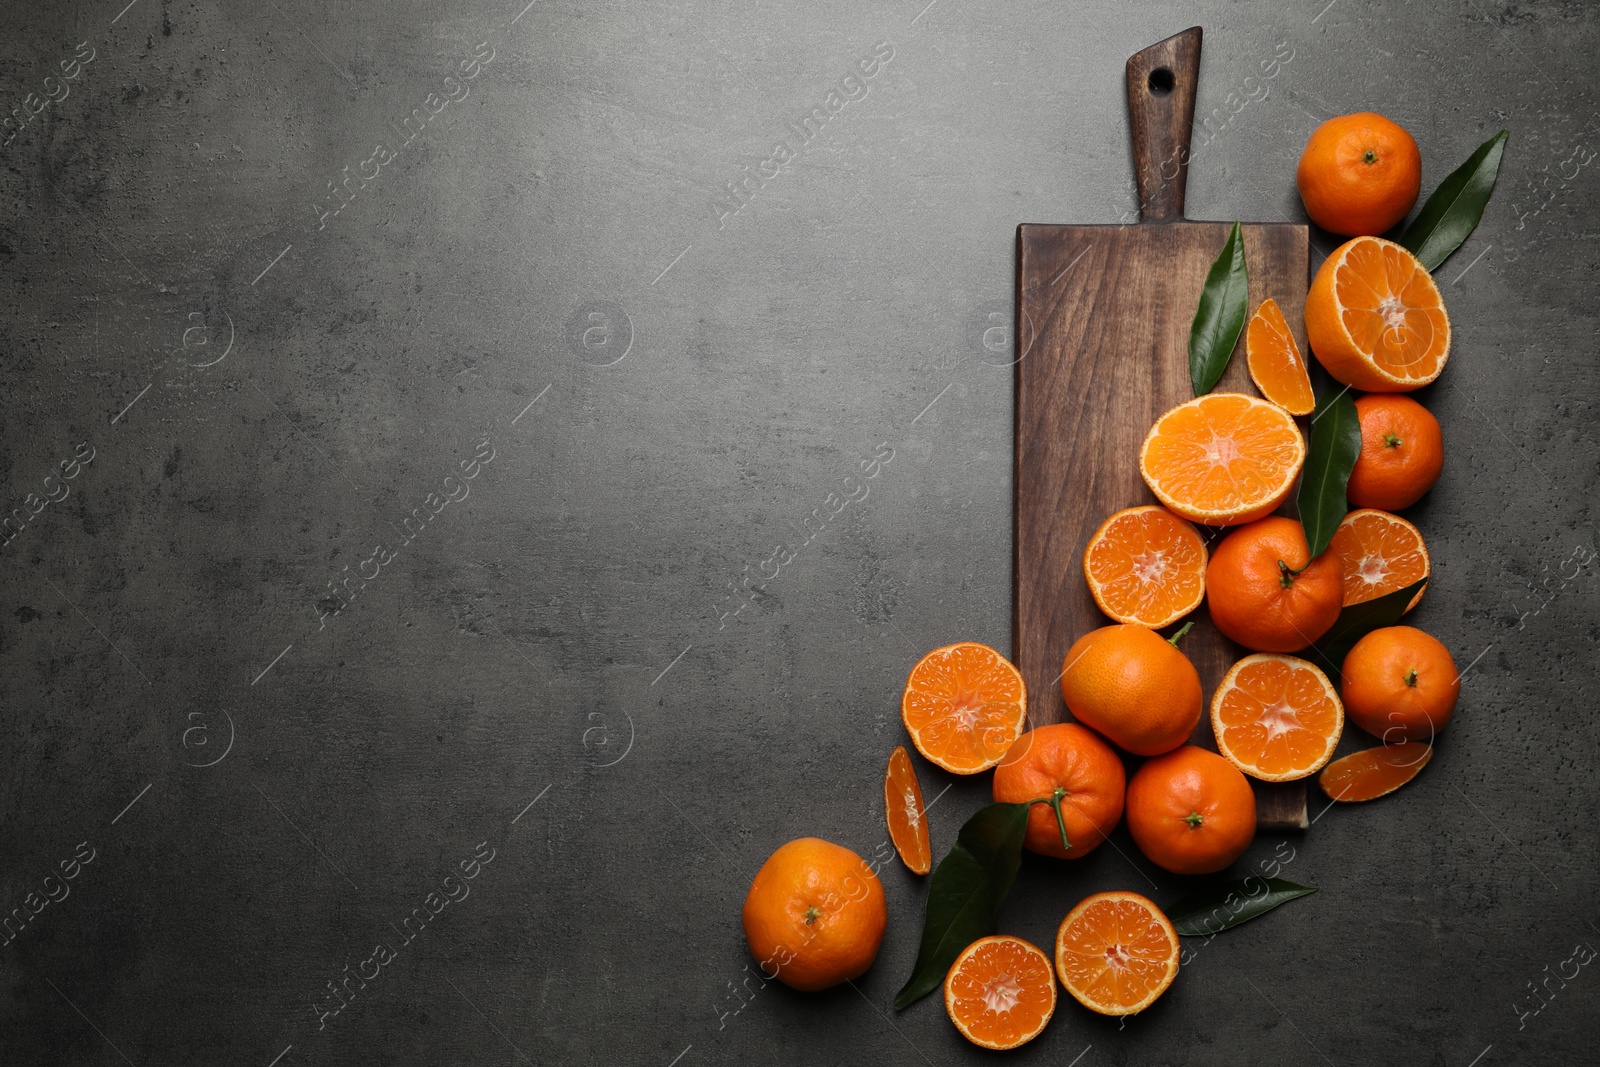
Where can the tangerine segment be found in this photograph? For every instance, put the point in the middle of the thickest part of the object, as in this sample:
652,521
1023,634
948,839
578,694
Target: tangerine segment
1116,953
1223,458
1147,566
1375,318
906,815
963,706
1276,717
1000,992
1276,365
1374,772
1380,553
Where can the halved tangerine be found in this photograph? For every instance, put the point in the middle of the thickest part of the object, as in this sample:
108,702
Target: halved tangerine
1374,772
1276,365
1381,553
1276,717
1000,992
1147,566
903,809
1375,318
1223,458
1116,953
963,706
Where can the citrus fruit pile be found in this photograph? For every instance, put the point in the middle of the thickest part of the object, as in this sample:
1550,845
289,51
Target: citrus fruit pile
1227,462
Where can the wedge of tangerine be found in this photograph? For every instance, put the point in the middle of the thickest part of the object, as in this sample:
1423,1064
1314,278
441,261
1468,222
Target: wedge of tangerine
963,706
905,813
1116,953
1375,318
1145,565
1276,718
1380,553
1000,992
1374,772
1276,365
1223,458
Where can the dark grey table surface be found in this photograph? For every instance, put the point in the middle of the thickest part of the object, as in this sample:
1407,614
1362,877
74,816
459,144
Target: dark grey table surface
413,513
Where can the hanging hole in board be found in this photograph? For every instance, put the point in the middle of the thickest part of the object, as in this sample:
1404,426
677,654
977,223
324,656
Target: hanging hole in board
1161,81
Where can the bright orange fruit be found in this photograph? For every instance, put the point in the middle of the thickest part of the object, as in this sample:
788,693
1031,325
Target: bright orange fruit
1116,953
1265,592
1133,686
1380,553
1190,811
1276,718
1088,772
903,808
1276,365
1223,458
1374,772
1400,683
1402,453
1145,565
1000,992
815,915
1375,318
963,706
1359,174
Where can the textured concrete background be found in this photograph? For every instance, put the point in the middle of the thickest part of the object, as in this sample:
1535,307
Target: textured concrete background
533,320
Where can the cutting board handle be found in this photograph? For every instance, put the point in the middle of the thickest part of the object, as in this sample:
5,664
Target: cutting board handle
1161,86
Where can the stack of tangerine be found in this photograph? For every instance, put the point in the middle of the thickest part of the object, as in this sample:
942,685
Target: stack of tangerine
1376,322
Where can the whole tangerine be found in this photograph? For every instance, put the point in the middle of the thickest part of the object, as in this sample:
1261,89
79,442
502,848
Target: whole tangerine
1359,174
1402,453
1071,767
815,915
1133,686
1265,592
1191,811
1400,684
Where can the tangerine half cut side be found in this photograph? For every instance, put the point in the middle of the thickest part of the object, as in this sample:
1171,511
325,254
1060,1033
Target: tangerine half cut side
906,815
1116,953
1375,318
1223,458
1145,565
1275,362
1380,553
964,705
1000,992
1276,718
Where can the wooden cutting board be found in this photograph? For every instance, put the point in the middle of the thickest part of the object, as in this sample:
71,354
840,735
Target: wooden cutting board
1103,315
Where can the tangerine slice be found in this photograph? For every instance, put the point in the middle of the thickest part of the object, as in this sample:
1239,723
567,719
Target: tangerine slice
1275,717
903,808
1000,992
963,706
1381,553
1147,566
1116,953
1374,772
1276,365
1375,318
1223,458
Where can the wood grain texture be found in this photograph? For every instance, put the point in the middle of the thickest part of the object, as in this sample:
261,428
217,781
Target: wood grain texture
1161,83
1103,324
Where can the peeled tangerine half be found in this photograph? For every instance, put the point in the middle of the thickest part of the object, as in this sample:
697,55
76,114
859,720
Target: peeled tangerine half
1147,566
1223,458
1116,953
963,706
1380,553
1276,718
1375,318
1000,992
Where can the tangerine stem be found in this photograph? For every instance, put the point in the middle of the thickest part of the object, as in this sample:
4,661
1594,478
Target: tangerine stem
1054,800
1286,574
1173,640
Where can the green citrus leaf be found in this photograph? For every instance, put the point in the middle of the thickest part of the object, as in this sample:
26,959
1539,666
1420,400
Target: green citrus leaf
1453,211
1219,319
1226,905
1356,622
965,892
1335,445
